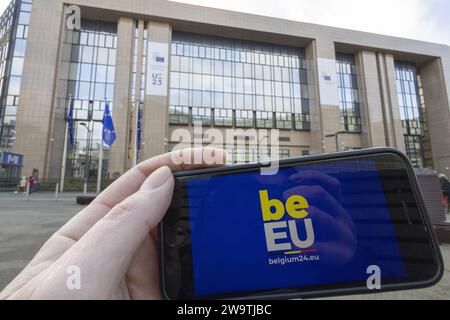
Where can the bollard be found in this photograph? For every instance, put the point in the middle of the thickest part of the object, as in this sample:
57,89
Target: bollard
57,192
85,189
27,195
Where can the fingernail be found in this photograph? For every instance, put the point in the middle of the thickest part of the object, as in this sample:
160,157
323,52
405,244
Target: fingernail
157,179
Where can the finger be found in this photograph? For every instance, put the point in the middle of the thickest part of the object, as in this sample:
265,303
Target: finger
105,252
194,159
332,229
332,185
129,183
143,273
317,196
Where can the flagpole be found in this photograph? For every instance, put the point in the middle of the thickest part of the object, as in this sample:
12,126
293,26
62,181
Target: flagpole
64,160
100,169
100,165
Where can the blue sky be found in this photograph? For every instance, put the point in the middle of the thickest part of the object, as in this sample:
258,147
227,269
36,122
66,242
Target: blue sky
427,20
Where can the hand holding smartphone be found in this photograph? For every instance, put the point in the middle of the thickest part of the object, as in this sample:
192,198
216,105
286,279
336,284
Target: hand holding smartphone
323,225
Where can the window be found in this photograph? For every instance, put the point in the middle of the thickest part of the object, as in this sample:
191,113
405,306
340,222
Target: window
19,48
223,117
17,66
90,80
283,120
178,115
244,119
284,154
243,155
348,93
410,111
201,115
302,122
264,120
14,86
225,74
11,66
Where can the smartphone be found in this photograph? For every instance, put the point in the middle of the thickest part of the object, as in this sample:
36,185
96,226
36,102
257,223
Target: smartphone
338,224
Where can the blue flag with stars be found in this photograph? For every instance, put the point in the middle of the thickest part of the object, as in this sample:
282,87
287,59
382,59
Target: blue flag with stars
139,129
109,134
71,124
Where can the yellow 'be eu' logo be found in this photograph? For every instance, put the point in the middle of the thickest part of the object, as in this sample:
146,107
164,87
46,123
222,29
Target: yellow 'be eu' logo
273,210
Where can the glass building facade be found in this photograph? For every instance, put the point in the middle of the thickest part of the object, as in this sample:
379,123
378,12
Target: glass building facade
410,111
14,24
90,81
248,155
348,93
225,83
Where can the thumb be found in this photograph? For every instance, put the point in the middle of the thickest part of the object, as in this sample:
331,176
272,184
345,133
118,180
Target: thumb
104,254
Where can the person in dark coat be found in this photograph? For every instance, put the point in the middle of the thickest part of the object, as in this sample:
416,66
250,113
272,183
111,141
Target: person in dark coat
445,187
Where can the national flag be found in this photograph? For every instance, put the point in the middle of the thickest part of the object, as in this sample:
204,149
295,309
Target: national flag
70,123
139,128
109,133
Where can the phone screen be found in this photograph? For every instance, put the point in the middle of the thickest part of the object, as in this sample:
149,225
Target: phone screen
310,227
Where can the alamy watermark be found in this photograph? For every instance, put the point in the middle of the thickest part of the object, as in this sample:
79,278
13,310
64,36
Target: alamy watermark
262,143
374,280
74,279
73,17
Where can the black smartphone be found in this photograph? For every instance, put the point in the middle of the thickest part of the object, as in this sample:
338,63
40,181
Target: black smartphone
347,223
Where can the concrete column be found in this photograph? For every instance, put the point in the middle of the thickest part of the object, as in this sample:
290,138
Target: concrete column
331,114
155,113
373,129
391,108
328,91
35,112
438,111
58,126
317,136
137,94
121,113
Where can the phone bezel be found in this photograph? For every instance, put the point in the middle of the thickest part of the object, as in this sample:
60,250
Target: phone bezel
329,292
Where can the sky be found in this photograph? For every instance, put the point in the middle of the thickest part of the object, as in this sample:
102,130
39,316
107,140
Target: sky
427,20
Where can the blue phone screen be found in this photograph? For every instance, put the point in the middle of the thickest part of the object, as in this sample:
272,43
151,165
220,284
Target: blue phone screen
315,225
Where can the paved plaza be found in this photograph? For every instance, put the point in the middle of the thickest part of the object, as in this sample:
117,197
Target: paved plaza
26,225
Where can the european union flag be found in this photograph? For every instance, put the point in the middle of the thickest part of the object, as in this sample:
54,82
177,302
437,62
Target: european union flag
70,124
139,128
109,134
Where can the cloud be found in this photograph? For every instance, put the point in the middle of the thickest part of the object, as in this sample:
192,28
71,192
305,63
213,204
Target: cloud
415,19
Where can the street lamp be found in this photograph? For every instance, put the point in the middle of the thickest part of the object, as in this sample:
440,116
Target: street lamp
336,136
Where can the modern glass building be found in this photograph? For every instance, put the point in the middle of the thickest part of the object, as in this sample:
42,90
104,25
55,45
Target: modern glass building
89,79
410,110
164,66
348,93
229,83
14,25
237,83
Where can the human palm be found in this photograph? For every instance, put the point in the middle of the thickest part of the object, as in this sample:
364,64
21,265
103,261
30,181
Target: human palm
109,250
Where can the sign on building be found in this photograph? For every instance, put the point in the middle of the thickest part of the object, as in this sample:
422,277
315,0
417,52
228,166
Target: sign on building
328,82
11,159
157,69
